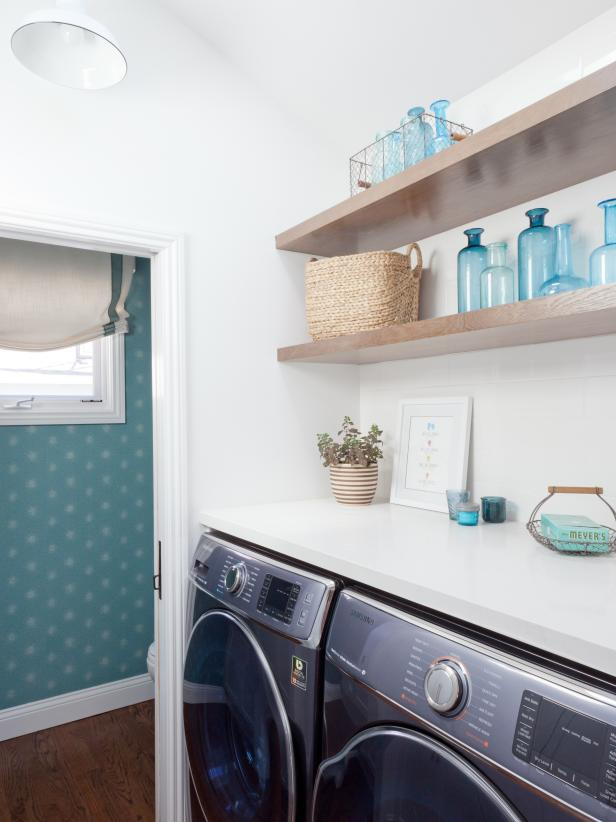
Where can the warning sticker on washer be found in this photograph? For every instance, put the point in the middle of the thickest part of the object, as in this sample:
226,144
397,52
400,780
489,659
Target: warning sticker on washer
299,673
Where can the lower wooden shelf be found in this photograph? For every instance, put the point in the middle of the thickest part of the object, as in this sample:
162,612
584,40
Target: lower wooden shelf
588,312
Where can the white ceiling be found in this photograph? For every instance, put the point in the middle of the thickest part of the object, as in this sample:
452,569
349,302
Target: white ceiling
352,67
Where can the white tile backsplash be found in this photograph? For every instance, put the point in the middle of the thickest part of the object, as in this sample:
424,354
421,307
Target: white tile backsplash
543,415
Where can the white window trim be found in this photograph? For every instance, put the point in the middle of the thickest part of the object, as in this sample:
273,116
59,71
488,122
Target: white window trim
74,411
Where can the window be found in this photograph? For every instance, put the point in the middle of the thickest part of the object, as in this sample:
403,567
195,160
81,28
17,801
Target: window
80,384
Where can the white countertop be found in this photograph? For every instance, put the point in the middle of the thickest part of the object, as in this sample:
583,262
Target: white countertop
495,576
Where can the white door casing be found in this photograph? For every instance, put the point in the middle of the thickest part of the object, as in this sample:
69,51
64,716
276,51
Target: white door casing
170,464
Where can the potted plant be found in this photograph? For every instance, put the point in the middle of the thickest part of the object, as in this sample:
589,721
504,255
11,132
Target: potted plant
352,462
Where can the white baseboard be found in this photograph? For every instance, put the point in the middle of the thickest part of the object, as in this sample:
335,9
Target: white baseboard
57,710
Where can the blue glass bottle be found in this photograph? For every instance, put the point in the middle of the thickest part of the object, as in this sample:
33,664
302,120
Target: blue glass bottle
377,159
414,133
428,138
497,279
535,254
603,259
392,151
443,137
471,262
564,278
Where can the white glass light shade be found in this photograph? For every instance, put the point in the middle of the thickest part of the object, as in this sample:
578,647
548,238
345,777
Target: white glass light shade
69,48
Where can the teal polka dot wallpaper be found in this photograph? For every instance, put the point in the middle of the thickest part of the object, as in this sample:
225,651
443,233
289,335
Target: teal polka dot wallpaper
76,537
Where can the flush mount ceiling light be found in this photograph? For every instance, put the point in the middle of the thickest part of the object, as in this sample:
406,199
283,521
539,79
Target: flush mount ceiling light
66,46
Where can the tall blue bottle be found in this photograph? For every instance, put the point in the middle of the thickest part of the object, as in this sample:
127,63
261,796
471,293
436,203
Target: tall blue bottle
603,259
471,262
535,254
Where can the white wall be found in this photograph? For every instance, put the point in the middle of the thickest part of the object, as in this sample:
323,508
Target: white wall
185,144
543,414
586,49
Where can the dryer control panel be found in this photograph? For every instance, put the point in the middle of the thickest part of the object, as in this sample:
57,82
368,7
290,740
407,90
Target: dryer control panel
274,593
556,736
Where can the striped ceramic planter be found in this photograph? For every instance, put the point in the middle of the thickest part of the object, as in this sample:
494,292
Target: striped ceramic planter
354,484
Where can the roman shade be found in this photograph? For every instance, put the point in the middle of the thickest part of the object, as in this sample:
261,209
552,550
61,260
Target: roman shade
53,296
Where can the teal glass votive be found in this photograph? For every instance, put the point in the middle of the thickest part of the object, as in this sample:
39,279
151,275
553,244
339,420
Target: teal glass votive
454,498
493,509
468,513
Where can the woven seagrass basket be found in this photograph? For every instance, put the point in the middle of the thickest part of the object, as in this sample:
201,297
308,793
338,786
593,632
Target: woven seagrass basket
360,292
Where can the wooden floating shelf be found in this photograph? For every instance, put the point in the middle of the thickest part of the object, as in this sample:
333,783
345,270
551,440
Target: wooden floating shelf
562,140
588,312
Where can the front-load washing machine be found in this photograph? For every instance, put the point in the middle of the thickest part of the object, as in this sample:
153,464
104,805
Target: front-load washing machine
253,683
427,724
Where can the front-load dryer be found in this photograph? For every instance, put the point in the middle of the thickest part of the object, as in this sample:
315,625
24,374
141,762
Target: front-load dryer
253,683
427,724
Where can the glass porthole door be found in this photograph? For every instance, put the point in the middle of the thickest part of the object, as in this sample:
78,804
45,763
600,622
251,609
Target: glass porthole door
237,732
394,774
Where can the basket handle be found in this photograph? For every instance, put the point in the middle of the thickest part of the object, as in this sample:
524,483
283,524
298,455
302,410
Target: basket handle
418,267
574,489
570,489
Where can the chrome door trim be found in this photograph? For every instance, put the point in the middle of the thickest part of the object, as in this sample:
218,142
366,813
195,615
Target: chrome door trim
427,742
288,739
316,635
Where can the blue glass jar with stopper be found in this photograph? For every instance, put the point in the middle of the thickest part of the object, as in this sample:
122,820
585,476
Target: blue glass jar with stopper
414,136
443,137
564,278
535,254
603,259
471,261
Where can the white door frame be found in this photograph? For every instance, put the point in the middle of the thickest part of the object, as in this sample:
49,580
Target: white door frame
170,464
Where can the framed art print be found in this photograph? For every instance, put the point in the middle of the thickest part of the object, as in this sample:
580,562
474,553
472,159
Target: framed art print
431,451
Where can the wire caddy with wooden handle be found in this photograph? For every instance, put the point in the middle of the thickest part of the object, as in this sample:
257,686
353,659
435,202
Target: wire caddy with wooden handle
586,548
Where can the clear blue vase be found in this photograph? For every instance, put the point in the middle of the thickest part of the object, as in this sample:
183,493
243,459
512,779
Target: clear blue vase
603,259
392,154
535,254
497,279
564,278
443,138
428,139
471,262
414,137
377,159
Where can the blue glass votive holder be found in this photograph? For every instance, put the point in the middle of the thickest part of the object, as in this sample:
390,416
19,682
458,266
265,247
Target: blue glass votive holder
468,513
493,509
454,498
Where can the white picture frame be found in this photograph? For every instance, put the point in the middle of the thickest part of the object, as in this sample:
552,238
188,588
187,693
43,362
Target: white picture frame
431,454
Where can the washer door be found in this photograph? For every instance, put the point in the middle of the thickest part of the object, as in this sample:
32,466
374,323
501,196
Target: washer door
237,732
392,774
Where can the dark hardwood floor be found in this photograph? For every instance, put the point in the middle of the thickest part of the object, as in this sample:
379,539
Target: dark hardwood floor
94,770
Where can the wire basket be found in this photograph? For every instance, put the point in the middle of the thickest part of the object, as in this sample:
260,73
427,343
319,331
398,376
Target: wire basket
586,548
405,146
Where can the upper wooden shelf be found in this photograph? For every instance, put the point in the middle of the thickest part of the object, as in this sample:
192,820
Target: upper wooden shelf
562,140
588,312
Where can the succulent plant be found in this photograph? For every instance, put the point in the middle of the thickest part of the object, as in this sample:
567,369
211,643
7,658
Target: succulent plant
354,448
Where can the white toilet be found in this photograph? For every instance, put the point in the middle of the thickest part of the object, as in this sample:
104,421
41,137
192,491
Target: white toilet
152,661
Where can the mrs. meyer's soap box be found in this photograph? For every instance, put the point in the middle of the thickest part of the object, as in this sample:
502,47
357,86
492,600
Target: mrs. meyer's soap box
575,533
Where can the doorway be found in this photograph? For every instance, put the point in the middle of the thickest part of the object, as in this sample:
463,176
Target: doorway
170,548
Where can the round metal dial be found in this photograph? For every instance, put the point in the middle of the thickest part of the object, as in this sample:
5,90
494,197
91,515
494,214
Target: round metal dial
235,578
445,687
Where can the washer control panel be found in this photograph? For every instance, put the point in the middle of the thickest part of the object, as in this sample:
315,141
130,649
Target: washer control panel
557,737
270,592
571,746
